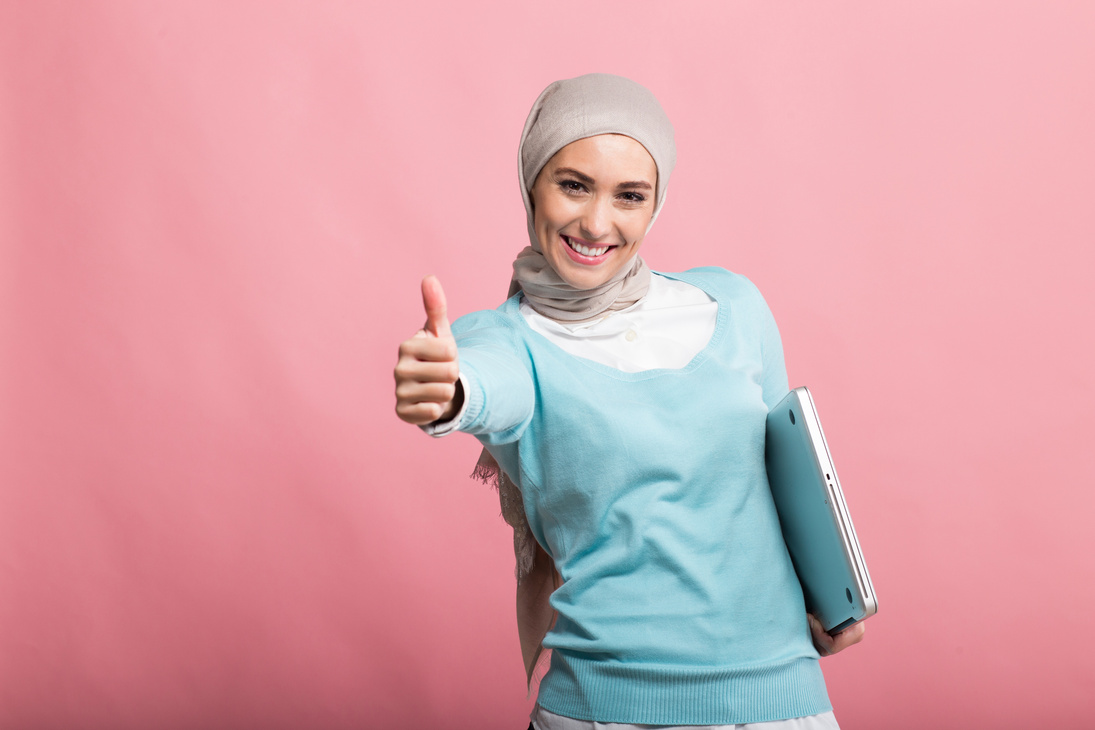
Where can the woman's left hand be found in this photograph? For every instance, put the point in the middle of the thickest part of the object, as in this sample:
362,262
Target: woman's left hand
827,645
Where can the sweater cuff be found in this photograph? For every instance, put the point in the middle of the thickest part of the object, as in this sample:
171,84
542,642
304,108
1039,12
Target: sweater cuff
437,429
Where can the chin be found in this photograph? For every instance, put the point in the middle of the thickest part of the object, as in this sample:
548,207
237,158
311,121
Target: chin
585,280
585,277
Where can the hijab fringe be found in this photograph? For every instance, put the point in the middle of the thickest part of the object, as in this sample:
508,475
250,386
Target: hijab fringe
536,574
488,472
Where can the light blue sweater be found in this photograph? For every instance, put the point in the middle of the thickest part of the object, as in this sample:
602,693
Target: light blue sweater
679,603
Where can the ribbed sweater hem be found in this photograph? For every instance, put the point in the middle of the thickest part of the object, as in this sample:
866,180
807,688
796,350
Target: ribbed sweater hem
667,695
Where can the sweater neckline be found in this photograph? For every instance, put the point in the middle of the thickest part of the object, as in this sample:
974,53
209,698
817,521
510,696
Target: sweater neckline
721,316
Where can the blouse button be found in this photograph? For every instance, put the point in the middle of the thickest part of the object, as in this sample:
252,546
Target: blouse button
631,335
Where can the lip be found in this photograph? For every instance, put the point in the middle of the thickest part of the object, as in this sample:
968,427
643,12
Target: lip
582,258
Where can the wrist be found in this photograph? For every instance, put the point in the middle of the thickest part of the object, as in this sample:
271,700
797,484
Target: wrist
454,405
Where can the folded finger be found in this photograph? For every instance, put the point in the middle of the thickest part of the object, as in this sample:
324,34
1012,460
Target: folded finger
411,392
426,371
435,349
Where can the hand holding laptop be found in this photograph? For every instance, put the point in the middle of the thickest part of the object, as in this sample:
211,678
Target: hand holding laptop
827,644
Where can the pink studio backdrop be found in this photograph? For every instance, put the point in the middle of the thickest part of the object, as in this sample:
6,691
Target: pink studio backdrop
213,221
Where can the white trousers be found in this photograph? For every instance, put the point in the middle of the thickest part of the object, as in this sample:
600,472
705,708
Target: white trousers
544,720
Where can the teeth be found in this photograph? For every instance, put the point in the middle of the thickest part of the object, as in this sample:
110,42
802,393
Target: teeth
586,250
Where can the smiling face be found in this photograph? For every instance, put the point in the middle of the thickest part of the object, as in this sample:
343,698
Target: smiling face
592,203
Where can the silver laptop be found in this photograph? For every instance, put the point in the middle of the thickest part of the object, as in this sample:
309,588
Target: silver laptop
814,517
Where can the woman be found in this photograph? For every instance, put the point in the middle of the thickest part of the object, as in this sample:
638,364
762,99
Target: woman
623,413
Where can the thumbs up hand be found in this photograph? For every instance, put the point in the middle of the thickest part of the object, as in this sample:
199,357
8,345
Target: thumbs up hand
426,373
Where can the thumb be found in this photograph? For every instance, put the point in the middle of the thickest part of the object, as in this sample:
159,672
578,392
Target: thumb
437,313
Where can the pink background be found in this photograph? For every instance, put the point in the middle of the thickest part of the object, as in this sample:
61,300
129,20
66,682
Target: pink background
213,221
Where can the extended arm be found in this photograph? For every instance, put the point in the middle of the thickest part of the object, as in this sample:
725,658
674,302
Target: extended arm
484,380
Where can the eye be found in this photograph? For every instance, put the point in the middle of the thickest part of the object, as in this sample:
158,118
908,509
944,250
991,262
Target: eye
633,198
572,186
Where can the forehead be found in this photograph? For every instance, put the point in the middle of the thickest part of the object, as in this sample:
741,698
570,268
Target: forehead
607,156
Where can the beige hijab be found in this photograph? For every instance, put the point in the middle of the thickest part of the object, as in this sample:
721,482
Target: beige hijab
567,111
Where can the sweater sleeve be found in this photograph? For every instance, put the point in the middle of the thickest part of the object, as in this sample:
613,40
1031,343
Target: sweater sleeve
498,387
774,379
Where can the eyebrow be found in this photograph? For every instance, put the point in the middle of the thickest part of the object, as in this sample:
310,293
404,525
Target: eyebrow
584,178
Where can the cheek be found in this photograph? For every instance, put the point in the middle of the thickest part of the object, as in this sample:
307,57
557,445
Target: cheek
544,226
636,227
551,215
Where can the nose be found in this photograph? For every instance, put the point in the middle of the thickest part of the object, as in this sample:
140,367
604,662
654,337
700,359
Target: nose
596,222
